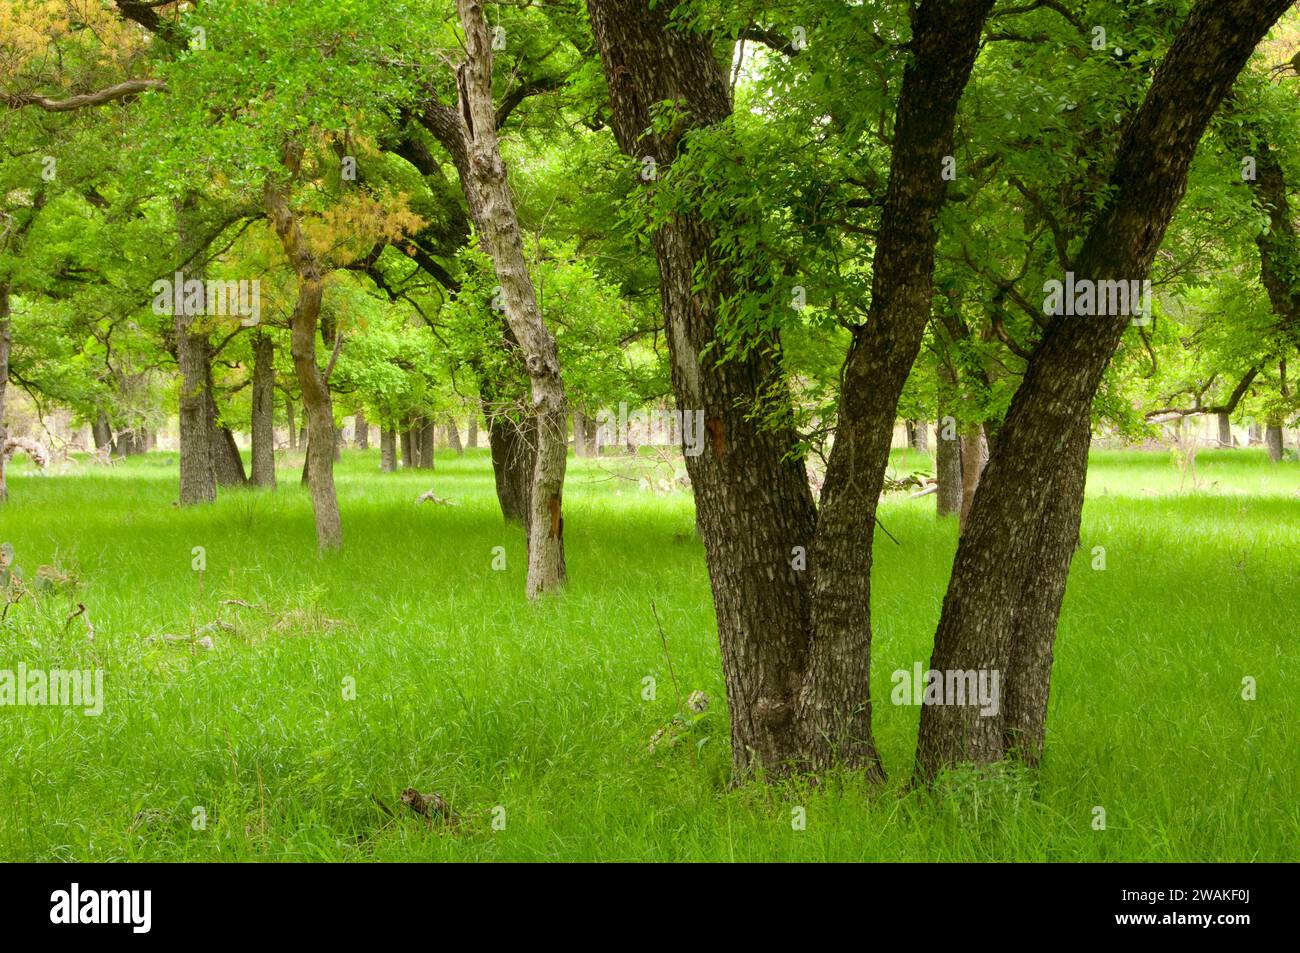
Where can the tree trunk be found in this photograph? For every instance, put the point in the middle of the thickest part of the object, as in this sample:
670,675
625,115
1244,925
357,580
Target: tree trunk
315,389
263,411
197,478
974,455
471,434
293,422
512,439
579,433
1273,440
102,430
425,431
795,641
947,467
469,133
227,464
998,549
387,449
453,436
1225,430
361,431
410,441
918,435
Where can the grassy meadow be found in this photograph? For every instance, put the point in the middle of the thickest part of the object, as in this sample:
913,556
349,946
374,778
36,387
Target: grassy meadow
530,719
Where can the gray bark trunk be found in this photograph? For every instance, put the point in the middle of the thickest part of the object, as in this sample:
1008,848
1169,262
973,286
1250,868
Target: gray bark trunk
387,449
361,431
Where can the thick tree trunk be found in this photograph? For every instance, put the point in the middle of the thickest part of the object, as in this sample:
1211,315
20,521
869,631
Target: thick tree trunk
387,449
6,347
197,477
513,441
315,389
263,423
1225,430
795,641
998,548
361,431
1273,440
453,436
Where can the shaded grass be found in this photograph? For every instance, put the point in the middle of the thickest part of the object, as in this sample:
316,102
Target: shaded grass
535,714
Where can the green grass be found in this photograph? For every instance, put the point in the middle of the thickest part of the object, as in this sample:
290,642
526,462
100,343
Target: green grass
464,688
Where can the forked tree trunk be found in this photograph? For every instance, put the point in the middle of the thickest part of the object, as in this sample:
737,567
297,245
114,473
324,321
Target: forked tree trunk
795,641
387,449
315,389
263,423
1000,546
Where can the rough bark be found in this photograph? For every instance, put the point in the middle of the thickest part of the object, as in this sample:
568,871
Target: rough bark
102,431
315,389
263,423
918,435
227,464
1146,186
947,469
513,442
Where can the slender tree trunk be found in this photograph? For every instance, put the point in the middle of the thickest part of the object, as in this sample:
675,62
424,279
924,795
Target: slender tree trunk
293,422
361,431
197,477
315,389
263,411
471,433
998,550
469,132
387,449
918,434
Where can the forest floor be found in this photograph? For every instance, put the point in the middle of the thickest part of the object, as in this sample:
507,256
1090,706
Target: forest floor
532,720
